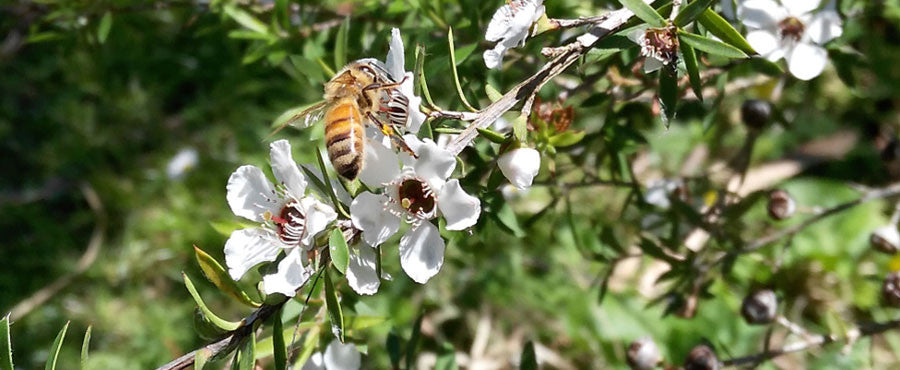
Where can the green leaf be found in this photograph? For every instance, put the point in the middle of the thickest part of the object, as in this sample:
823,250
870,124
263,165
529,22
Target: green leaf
453,64
566,138
528,361
282,13
520,127
6,362
245,19
340,44
334,308
54,349
492,92
508,218
85,347
217,275
492,136
464,52
104,27
216,320
691,11
279,347
340,253
710,46
412,347
668,94
719,27
309,345
446,358
393,348
245,358
204,327
361,322
201,358
693,70
765,66
645,12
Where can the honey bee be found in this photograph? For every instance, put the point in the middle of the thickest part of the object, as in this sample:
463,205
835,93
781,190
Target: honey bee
361,93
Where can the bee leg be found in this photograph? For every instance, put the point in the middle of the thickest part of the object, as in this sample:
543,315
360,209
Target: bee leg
389,131
382,86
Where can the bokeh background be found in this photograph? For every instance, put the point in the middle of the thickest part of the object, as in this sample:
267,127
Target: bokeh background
98,98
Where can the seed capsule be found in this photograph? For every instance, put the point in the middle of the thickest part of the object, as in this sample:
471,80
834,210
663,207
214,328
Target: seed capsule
643,354
890,290
756,113
781,205
885,239
701,358
760,307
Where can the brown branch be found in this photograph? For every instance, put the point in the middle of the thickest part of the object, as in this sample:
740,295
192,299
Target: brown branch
814,341
526,90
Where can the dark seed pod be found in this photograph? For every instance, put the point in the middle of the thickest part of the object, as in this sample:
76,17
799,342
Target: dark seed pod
756,113
643,354
890,290
760,307
701,358
885,239
781,205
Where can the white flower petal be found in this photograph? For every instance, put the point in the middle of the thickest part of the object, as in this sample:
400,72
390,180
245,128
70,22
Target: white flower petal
369,214
652,65
824,27
637,34
315,362
395,61
763,41
285,169
250,194
181,163
341,356
416,117
318,216
797,8
807,61
247,248
494,58
761,14
291,275
434,164
520,166
460,209
361,272
422,252
381,164
499,25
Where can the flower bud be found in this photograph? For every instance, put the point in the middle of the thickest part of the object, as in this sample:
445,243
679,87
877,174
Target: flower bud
781,205
755,113
520,166
701,358
643,354
760,307
885,239
890,290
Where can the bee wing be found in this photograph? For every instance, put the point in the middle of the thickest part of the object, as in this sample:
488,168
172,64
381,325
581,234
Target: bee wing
303,119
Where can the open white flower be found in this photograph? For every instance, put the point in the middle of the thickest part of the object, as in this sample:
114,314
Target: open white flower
509,27
793,31
181,163
396,66
659,46
417,193
520,166
338,356
659,192
289,221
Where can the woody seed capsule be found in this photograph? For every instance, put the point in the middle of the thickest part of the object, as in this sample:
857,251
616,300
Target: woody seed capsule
701,358
760,307
643,354
890,290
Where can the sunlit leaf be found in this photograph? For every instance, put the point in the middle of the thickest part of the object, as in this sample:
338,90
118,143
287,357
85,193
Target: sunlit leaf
245,19
566,138
85,347
340,254
710,46
217,275
335,315
54,349
719,27
645,12
492,92
104,27
216,320
520,127
691,11
6,362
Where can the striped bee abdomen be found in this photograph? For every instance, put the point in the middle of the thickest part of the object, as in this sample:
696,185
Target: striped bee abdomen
344,137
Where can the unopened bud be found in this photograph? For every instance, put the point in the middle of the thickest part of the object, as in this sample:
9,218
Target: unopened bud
890,290
643,354
781,205
760,307
886,239
701,358
756,113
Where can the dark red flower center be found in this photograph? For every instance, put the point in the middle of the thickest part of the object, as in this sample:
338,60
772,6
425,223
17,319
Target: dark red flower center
791,27
416,197
290,224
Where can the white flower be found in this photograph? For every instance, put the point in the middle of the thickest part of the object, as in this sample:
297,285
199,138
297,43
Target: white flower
417,193
395,65
289,221
338,356
659,46
791,31
181,163
509,27
520,166
659,192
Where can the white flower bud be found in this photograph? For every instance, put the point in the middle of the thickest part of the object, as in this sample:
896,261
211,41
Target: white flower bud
520,166
886,239
643,354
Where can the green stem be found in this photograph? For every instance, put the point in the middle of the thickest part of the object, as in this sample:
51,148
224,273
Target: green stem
455,73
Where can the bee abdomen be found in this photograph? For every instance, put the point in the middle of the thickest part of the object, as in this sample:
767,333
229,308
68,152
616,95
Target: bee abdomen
344,139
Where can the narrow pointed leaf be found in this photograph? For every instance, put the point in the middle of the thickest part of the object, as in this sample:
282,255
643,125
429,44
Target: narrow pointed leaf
204,327
453,63
492,136
309,345
245,19
492,92
340,44
278,347
334,308
217,275
520,127
340,254
691,11
446,360
104,27
668,95
765,66
6,362
693,70
719,27
54,349
528,361
710,46
216,320
245,359
413,346
85,347
201,358
645,12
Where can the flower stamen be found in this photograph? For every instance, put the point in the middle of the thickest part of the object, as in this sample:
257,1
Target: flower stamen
791,27
660,44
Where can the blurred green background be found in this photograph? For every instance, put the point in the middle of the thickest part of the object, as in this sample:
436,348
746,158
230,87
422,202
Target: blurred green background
99,97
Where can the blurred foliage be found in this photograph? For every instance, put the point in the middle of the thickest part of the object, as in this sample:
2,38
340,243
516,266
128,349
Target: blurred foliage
105,93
